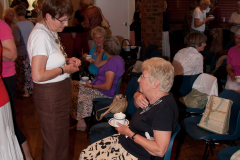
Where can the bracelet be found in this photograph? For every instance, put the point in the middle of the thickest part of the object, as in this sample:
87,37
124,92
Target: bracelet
231,75
62,71
133,136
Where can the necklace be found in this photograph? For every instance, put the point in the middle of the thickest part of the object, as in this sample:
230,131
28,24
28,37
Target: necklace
58,41
150,106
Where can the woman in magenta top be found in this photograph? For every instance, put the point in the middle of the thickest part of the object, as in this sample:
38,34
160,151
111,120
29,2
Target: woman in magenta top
10,148
105,83
233,65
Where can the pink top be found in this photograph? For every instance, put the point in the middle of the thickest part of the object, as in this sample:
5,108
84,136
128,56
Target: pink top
233,59
8,68
3,92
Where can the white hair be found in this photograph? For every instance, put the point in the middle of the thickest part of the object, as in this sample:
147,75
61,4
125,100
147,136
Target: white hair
204,1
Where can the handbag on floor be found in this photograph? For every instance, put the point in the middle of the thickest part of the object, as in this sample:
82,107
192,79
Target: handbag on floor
119,104
216,116
104,22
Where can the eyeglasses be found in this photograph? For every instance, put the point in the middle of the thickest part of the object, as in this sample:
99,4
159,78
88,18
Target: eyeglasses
62,21
142,76
98,38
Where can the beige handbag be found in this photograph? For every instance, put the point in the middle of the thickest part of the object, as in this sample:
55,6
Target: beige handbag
104,22
119,104
216,116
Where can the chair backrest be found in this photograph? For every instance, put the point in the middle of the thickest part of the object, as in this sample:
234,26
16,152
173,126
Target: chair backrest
167,155
131,107
118,85
131,88
206,83
183,84
234,124
150,48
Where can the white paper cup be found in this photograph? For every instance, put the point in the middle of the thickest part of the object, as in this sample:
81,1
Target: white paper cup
88,57
237,79
85,78
120,118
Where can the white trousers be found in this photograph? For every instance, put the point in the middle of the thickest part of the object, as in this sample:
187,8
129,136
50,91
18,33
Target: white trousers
9,146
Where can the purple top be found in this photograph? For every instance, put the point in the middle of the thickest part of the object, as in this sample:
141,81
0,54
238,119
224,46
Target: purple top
233,59
116,65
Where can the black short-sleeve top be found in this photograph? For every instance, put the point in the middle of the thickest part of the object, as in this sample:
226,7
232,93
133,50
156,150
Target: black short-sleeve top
161,117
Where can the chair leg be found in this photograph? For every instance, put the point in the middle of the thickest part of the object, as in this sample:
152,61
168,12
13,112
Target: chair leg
91,120
205,151
211,145
182,136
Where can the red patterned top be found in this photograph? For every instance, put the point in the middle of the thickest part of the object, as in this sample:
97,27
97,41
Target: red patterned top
3,92
92,18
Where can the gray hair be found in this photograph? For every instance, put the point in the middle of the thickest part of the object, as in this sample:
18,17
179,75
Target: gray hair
6,12
238,2
111,45
237,33
161,70
89,2
204,1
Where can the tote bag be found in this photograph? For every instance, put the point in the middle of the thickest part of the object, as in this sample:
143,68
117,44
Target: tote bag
216,116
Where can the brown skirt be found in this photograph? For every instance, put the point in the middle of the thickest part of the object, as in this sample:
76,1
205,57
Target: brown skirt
52,102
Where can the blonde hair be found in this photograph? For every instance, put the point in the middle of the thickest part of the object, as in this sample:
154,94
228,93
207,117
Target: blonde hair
195,39
34,4
98,30
204,1
6,12
161,70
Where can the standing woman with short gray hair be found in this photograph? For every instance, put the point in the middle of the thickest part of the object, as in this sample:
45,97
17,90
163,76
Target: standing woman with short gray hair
199,16
51,70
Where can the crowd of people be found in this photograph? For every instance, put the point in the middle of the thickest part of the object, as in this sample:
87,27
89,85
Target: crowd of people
34,62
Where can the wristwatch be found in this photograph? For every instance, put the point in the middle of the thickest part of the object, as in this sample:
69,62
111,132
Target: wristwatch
133,136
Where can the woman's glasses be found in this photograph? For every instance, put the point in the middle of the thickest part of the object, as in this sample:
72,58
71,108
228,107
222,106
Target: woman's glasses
62,21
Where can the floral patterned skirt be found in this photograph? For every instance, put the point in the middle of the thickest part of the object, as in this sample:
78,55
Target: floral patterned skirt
217,40
23,71
107,148
81,100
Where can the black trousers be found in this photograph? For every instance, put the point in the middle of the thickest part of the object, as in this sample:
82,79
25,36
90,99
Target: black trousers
10,84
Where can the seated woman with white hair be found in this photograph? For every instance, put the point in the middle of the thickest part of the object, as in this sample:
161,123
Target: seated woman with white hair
157,114
233,65
199,16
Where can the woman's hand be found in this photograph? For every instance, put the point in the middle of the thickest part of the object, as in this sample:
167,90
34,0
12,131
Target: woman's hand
88,85
75,61
140,100
124,130
71,68
91,60
233,78
84,55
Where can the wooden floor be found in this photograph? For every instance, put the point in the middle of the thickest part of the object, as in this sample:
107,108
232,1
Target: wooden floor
29,123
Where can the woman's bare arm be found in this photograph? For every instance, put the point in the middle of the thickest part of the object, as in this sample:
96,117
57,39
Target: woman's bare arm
156,147
40,74
107,85
9,50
